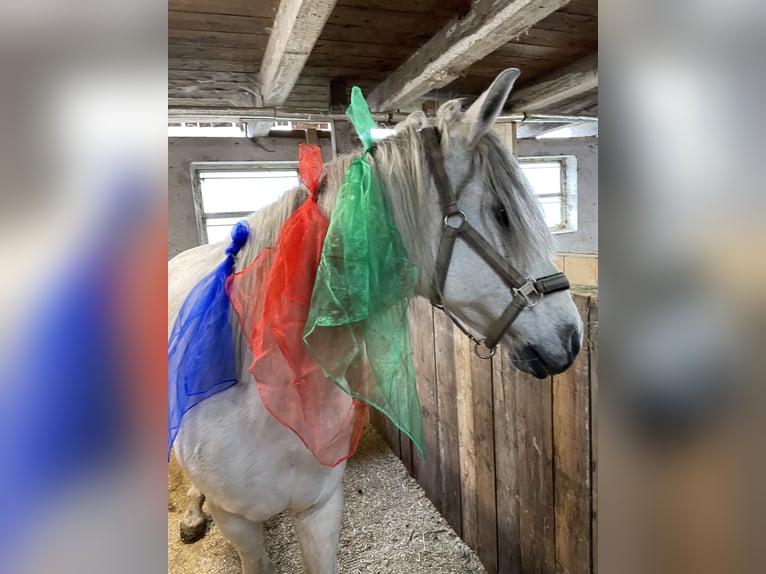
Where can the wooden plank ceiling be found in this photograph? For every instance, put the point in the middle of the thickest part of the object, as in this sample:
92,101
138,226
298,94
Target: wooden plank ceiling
215,50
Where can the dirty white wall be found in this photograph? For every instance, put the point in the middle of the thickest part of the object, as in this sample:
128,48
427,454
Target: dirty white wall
585,239
182,225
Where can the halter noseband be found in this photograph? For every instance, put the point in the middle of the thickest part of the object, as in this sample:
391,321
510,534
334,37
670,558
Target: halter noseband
527,291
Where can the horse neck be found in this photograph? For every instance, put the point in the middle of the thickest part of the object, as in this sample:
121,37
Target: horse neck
397,163
266,222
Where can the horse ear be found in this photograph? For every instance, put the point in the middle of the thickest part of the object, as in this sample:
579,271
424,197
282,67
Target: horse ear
482,113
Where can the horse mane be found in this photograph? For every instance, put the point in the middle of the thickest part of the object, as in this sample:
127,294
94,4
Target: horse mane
400,163
266,222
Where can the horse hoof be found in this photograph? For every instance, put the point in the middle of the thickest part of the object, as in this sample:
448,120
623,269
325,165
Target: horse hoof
193,529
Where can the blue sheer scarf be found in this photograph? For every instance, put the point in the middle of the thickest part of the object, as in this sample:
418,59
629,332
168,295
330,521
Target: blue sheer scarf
201,359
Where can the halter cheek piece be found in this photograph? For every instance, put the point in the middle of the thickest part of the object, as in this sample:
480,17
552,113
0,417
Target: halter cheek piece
527,291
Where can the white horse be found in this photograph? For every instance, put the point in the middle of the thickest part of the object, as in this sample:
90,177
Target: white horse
248,465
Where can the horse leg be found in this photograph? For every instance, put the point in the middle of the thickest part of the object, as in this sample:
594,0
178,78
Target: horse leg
318,530
194,522
247,538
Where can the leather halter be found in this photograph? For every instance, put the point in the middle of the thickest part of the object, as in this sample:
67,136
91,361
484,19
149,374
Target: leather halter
527,291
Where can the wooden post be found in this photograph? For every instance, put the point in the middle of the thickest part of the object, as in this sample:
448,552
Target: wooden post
338,95
296,29
344,138
507,133
463,41
571,458
558,86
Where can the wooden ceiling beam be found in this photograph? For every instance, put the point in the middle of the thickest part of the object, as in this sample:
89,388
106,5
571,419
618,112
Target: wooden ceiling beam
558,86
487,26
297,26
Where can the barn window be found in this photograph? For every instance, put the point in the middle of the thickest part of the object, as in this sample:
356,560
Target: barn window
224,193
554,180
206,129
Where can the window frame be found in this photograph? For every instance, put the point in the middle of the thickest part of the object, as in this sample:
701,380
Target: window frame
197,167
568,188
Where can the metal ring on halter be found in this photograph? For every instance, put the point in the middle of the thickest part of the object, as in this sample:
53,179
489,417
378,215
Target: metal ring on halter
449,216
476,350
529,290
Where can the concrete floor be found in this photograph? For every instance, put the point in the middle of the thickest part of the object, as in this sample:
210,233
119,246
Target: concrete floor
389,526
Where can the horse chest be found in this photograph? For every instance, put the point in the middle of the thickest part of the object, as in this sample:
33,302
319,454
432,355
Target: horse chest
245,460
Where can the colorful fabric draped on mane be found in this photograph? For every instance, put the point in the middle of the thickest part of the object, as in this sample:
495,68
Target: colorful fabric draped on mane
357,326
201,359
271,299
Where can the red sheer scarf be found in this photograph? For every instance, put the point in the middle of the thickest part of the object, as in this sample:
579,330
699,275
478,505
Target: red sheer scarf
271,299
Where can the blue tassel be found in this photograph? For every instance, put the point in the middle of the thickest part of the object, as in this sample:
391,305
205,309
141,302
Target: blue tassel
201,359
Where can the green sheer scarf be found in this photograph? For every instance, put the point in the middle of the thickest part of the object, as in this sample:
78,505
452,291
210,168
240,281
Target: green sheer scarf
357,325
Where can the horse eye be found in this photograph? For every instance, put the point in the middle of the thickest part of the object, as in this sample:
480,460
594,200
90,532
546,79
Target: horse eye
501,216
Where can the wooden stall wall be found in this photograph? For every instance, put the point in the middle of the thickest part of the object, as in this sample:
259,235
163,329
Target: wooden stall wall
509,459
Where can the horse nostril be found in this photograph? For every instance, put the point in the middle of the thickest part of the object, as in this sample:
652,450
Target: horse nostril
570,340
575,339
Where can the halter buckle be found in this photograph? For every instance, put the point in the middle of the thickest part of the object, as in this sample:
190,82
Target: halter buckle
530,293
449,218
477,350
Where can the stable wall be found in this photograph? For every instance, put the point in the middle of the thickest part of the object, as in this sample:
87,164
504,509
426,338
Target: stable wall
182,222
509,459
585,239
182,227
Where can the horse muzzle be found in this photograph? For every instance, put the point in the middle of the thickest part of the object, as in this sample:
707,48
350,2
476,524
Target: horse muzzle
543,362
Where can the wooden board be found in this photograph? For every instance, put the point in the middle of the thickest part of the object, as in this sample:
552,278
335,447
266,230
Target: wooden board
206,76
349,33
564,22
536,495
593,349
421,7
583,7
449,457
211,65
476,450
466,442
406,452
571,459
426,468
227,39
484,452
229,23
557,38
193,53
506,467
262,8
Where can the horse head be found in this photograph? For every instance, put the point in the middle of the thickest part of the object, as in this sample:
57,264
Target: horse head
455,170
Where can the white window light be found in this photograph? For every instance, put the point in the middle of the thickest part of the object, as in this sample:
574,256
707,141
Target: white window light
378,134
559,133
554,181
224,193
207,129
